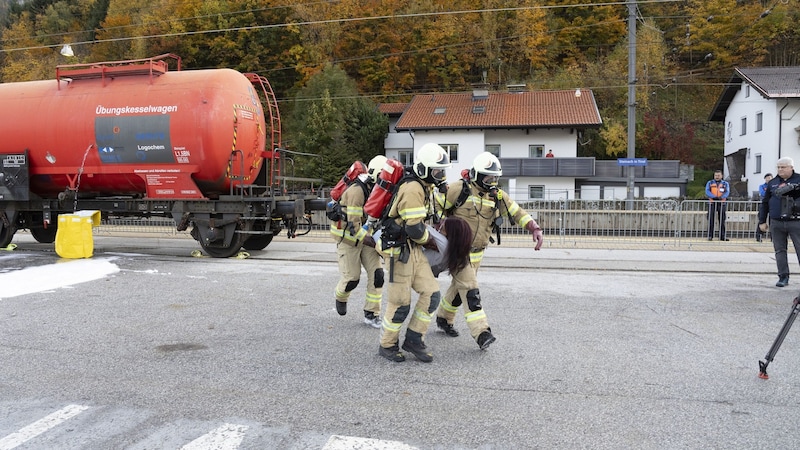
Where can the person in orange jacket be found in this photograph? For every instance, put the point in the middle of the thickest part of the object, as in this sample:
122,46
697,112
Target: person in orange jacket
717,191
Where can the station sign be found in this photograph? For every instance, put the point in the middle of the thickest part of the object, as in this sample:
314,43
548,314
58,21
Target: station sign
631,161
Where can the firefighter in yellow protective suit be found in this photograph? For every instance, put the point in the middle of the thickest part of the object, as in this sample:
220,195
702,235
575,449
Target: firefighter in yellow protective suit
355,247
402,240
480,202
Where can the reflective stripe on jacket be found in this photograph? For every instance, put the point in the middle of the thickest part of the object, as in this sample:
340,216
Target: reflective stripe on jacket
410,207
480,211
352,202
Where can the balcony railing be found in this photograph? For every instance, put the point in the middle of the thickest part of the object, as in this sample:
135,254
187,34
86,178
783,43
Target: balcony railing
585,167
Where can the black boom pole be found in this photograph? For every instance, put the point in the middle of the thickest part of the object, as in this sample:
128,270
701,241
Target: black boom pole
762,365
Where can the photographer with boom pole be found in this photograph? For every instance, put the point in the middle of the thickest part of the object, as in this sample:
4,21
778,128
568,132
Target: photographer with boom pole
779,206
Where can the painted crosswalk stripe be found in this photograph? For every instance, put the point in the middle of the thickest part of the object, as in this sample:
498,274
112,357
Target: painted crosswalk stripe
226,437
40,426
349,442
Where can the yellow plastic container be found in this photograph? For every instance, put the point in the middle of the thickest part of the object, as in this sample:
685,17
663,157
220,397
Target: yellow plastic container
74,237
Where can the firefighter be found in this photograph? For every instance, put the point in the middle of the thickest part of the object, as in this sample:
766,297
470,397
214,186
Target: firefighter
480,202
356,248
403,235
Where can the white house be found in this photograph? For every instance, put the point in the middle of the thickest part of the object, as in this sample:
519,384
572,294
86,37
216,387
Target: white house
760,108
520,128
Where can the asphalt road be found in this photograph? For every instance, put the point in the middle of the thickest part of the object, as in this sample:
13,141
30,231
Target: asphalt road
596,349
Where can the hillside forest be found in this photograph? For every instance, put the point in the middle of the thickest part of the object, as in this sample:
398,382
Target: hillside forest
331,62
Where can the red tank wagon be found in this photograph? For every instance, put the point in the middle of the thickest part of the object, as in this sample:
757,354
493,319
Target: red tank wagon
134,138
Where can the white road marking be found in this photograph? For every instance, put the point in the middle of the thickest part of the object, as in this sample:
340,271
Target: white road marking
350,443
226,437
40,426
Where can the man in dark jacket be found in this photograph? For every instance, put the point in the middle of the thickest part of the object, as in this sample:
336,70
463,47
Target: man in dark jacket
778,205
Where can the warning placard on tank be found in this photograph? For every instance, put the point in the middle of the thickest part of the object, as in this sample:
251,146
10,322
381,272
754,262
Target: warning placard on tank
14,177
134,139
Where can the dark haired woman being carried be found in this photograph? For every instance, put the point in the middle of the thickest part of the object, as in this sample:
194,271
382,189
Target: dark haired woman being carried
455,258
459,238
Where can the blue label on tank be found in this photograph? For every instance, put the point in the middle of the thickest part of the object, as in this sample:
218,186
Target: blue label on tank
134,139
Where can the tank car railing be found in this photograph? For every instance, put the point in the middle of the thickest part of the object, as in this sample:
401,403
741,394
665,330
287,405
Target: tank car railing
151,67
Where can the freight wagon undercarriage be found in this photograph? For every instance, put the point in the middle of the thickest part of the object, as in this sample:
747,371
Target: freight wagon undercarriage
222,226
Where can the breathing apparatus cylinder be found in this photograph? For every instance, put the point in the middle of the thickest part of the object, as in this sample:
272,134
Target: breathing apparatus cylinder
384,189
356,169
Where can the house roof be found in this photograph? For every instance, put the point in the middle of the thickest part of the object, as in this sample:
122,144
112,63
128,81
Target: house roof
770,82
484,109
392,109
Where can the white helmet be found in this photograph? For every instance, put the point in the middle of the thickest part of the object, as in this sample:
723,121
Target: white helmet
431,162
375,166
486,170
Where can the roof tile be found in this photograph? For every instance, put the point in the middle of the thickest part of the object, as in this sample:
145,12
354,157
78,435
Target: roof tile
537,109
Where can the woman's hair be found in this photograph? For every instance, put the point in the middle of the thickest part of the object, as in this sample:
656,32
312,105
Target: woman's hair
459,240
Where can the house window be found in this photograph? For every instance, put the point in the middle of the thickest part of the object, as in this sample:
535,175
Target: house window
439,110
744,126
406,158
758,164
759,121
452,151
747,91
535,192
535,151
493,149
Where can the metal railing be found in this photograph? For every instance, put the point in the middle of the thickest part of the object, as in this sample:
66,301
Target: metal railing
656,223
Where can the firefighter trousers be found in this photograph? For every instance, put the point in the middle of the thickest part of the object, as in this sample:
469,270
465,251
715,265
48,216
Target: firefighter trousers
464,289
351,259
413,275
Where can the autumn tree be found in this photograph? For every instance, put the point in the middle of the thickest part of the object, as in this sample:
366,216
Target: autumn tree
25,65
331,121
584,33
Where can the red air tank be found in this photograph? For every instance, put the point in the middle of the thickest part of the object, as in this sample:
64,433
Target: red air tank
356,169
136,129
385,187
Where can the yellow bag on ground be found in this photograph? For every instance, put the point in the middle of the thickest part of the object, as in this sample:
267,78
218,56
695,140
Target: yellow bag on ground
74,237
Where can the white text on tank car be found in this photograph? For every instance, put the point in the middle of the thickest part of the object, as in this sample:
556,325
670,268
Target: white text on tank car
116,111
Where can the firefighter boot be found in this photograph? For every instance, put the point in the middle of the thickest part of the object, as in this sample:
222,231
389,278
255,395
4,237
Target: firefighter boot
414,344
448,328
485,339
341,307
392,353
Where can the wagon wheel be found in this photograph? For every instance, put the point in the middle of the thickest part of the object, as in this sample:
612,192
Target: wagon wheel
6,234
258,241
222,251
45,235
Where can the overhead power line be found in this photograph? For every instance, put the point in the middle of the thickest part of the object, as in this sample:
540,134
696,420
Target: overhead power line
328,21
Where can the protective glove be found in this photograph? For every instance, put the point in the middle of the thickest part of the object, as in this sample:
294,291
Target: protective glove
369,241
786,188
536,231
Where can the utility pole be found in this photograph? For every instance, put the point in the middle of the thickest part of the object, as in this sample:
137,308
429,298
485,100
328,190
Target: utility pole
631,98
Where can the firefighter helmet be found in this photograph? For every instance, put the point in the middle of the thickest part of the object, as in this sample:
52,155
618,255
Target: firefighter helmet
375,166
431,162
486,171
